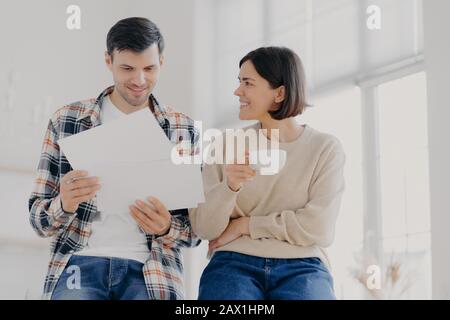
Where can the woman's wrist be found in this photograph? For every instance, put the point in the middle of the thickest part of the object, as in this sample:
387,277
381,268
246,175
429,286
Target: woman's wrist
245,226
234,188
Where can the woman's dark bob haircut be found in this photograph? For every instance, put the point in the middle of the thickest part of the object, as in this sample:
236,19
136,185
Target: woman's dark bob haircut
281,67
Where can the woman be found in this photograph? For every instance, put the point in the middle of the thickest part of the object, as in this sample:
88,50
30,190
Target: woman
268,233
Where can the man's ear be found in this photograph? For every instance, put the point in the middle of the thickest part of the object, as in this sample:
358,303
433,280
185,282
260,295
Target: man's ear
108,60
280,94
161,60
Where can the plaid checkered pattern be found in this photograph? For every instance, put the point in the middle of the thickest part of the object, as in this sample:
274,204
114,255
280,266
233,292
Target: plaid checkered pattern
163,271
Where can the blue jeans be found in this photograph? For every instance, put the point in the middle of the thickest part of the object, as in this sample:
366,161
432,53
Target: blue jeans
236,276
101,278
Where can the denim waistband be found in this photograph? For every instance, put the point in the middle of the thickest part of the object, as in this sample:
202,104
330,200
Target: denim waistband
265,262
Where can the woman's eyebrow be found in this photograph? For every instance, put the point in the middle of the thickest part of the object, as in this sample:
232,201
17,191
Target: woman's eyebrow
245,79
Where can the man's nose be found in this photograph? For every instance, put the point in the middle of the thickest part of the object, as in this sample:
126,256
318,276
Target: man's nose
139,79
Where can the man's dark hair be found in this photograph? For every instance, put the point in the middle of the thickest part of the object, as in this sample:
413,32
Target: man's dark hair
281,67
135,34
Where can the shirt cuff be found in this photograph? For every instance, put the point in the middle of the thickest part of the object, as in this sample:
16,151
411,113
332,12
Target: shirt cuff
173,233
56,210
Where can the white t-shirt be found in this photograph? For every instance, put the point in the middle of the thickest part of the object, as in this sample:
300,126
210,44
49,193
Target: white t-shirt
115,234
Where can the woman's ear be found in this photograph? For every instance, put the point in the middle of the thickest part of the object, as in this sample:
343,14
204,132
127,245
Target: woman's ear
280,94
279,98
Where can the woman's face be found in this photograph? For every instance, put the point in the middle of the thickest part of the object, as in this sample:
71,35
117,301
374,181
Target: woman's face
256,97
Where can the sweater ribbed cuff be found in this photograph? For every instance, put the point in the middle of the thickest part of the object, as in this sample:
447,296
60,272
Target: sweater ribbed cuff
259,227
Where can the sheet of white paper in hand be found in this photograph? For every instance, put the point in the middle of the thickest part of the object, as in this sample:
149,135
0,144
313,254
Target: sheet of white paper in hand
177,186
136,136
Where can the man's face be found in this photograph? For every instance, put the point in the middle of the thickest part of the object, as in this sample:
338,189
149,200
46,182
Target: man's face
135,74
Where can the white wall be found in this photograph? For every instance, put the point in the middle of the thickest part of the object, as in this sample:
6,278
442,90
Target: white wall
53,66
437,53
23,255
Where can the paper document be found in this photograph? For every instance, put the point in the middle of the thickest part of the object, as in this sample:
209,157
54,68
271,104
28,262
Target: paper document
131,156
134,137
177,186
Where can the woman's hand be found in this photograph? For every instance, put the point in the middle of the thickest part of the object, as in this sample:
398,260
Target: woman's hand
236,228
238,174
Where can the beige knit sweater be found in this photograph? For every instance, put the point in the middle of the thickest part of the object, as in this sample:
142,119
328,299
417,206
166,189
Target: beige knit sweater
292,214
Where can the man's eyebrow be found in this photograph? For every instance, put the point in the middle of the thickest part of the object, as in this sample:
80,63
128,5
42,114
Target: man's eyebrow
246,79
128,66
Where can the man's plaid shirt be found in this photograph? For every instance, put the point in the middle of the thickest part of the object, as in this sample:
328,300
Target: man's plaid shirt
163,271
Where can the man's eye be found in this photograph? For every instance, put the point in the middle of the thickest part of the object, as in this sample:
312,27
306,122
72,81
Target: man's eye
148,69
126,69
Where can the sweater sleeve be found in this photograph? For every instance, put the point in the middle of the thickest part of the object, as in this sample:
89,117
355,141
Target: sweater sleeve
211,218
313,224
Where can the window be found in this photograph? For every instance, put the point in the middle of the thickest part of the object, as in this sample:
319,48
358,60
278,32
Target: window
403,142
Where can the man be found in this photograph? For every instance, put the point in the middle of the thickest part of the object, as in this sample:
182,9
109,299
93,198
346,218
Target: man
112,255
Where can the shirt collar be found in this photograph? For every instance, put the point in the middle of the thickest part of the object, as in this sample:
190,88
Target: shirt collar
93,111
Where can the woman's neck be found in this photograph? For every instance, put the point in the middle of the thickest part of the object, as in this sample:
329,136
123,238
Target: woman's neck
289,129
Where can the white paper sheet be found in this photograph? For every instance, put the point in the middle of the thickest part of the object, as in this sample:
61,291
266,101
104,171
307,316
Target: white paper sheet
131,156
176,186
136,136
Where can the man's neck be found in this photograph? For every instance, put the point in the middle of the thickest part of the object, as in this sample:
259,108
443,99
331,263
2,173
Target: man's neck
124,106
